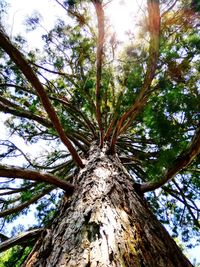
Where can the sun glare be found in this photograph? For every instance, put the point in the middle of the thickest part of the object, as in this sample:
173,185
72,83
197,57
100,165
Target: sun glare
123,16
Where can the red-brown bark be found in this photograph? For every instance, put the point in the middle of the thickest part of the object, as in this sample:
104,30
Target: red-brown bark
14,172
106,223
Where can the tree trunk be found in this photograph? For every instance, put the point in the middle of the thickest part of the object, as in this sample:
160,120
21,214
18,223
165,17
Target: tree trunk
106,223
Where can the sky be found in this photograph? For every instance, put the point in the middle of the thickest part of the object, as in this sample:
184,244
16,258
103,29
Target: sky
123,15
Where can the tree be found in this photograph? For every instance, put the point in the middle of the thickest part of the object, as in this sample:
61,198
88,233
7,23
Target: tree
119,127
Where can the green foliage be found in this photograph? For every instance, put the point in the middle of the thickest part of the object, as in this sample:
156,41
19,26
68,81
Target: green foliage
14,256
195,5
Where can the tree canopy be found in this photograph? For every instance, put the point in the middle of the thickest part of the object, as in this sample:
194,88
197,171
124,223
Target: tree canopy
83,86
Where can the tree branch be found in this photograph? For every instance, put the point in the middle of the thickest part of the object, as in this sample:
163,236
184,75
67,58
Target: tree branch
169,8
11,108
21,238
74,110
23,65
196,222
19,173
176,195
25,204
15,190
15,86
181,162
52,71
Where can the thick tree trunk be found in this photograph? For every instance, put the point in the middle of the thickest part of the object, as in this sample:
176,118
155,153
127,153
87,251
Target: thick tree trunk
106,223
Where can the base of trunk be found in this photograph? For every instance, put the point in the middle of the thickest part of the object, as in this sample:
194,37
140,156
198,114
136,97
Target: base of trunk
106,223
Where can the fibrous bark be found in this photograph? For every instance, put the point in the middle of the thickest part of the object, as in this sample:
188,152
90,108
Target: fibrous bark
106,223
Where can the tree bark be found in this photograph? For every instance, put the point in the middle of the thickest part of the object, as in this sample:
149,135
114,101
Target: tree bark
106,223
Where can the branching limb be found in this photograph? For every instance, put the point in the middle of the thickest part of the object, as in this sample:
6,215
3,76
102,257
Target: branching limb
196,222
12,147
181,162
12,191
74,110
15,86
23,65
50,165
72,137
19,173
26,204
23,238
169,8
176,195
7,106
53,71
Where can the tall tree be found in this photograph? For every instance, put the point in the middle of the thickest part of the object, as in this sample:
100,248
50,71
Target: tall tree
117,129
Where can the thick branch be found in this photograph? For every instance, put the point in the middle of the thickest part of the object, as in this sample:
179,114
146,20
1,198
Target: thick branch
21,238
22,63
181,162
99,60
13,172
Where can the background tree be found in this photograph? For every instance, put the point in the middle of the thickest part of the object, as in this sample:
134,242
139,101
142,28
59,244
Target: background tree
117,126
